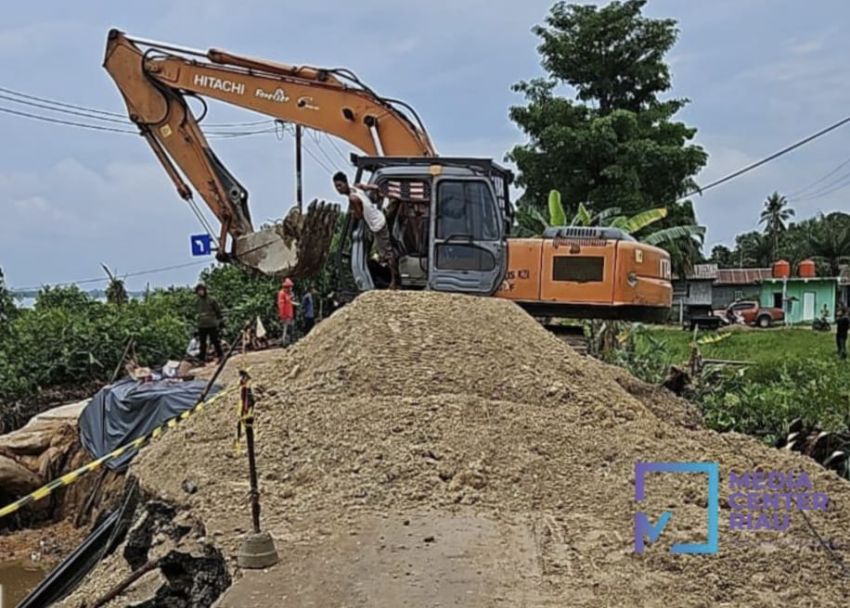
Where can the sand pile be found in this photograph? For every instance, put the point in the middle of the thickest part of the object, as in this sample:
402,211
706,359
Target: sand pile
451,405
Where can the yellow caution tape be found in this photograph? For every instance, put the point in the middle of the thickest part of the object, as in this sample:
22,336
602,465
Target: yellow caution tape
69,478
714,339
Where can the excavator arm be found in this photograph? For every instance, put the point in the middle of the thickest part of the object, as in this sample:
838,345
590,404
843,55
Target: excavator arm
156,79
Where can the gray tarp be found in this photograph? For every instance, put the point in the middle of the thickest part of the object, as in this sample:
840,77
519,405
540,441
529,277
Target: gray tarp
128,409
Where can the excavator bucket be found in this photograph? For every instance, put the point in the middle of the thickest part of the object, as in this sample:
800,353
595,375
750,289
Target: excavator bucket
296,247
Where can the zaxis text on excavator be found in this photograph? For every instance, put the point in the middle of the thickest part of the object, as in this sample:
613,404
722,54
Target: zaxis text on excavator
450,218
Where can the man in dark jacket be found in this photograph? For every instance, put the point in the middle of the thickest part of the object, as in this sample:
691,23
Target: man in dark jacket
209,321
842,326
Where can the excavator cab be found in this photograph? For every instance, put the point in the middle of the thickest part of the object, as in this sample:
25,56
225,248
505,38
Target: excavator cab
449,220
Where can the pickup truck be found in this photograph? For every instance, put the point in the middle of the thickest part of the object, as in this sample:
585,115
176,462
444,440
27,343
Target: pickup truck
751,313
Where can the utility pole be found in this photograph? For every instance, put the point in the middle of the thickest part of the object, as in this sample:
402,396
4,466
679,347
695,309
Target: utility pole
299,190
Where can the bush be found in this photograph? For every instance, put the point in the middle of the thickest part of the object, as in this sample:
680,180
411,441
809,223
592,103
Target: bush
71,339
795,375
764,399
243,297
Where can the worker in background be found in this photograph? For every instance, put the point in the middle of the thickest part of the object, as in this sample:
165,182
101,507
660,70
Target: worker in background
842,325
194,348
210,319
308,310
286,310
363,207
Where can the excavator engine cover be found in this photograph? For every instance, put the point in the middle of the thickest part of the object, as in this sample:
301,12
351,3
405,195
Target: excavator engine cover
296,247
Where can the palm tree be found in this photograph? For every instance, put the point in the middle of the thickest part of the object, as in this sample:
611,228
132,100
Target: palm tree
829,241
774,215
115,292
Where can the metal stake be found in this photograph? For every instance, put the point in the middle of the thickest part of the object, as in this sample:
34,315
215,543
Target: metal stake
257,550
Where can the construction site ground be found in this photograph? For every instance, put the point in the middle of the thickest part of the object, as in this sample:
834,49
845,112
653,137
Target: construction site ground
425,449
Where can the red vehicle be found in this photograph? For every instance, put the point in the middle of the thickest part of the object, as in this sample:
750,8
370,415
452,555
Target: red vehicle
749,312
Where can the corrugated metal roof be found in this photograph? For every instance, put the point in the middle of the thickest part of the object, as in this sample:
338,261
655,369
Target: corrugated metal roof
742,276
704,271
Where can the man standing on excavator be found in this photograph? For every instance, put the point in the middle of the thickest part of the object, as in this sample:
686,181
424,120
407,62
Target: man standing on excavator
362,207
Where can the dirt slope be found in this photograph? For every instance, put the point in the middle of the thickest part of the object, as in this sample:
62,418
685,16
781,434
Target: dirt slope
428,449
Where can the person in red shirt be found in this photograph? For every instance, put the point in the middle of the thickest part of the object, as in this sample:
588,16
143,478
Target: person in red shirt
286,310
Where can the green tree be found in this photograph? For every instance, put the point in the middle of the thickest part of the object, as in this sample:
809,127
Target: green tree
829,241
774,215
8,310
69,297
753,249
615,144
682,240
722,256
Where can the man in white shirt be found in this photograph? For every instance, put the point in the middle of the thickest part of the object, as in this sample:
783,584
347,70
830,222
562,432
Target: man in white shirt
362,207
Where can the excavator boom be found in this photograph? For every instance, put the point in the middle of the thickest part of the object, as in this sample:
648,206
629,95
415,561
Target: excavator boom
156,79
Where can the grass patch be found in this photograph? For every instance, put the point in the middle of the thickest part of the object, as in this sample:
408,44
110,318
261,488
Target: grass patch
795,373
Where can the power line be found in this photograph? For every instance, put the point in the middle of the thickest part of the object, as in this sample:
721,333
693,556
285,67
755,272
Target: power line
66,122
106,279
315,137
767,159
836,185
60,103
99,114
336,147
73,123
50,108
819,180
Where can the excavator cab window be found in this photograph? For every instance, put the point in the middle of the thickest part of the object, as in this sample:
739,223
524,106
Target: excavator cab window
468,242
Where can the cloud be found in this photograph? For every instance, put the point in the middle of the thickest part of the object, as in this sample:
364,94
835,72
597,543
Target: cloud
406,45
62,221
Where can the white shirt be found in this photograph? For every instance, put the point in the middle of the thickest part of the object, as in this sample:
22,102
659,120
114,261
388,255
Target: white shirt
373,216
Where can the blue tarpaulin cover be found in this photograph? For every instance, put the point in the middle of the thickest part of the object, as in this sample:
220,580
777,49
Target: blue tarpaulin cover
128,409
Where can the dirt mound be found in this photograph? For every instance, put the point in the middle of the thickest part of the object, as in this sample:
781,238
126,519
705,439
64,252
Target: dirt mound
440,409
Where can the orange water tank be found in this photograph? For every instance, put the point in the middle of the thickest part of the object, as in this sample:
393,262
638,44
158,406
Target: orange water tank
781,269
806,269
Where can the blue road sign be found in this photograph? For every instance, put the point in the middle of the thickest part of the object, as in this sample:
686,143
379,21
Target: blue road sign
201,244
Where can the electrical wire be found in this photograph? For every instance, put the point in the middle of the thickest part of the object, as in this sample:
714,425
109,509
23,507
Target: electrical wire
818,181
137,273
45,106
338,151
315,137
767,159
318,160
60,103
73,123
838,184
66,122
99,114
286,127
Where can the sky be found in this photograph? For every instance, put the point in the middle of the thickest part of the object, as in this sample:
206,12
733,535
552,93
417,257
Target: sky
760,74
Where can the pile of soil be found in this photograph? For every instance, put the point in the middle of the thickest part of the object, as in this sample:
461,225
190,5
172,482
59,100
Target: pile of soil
463,416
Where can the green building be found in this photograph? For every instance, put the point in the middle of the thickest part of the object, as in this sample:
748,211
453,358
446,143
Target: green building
801,298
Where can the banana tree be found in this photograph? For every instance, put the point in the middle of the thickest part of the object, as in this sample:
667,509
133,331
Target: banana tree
683,242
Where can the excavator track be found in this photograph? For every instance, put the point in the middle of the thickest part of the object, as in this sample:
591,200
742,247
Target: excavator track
571,334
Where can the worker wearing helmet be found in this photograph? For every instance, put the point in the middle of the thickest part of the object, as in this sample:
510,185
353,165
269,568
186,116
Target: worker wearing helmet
210,319
286,310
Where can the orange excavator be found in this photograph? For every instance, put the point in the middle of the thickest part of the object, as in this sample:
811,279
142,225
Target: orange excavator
450,217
